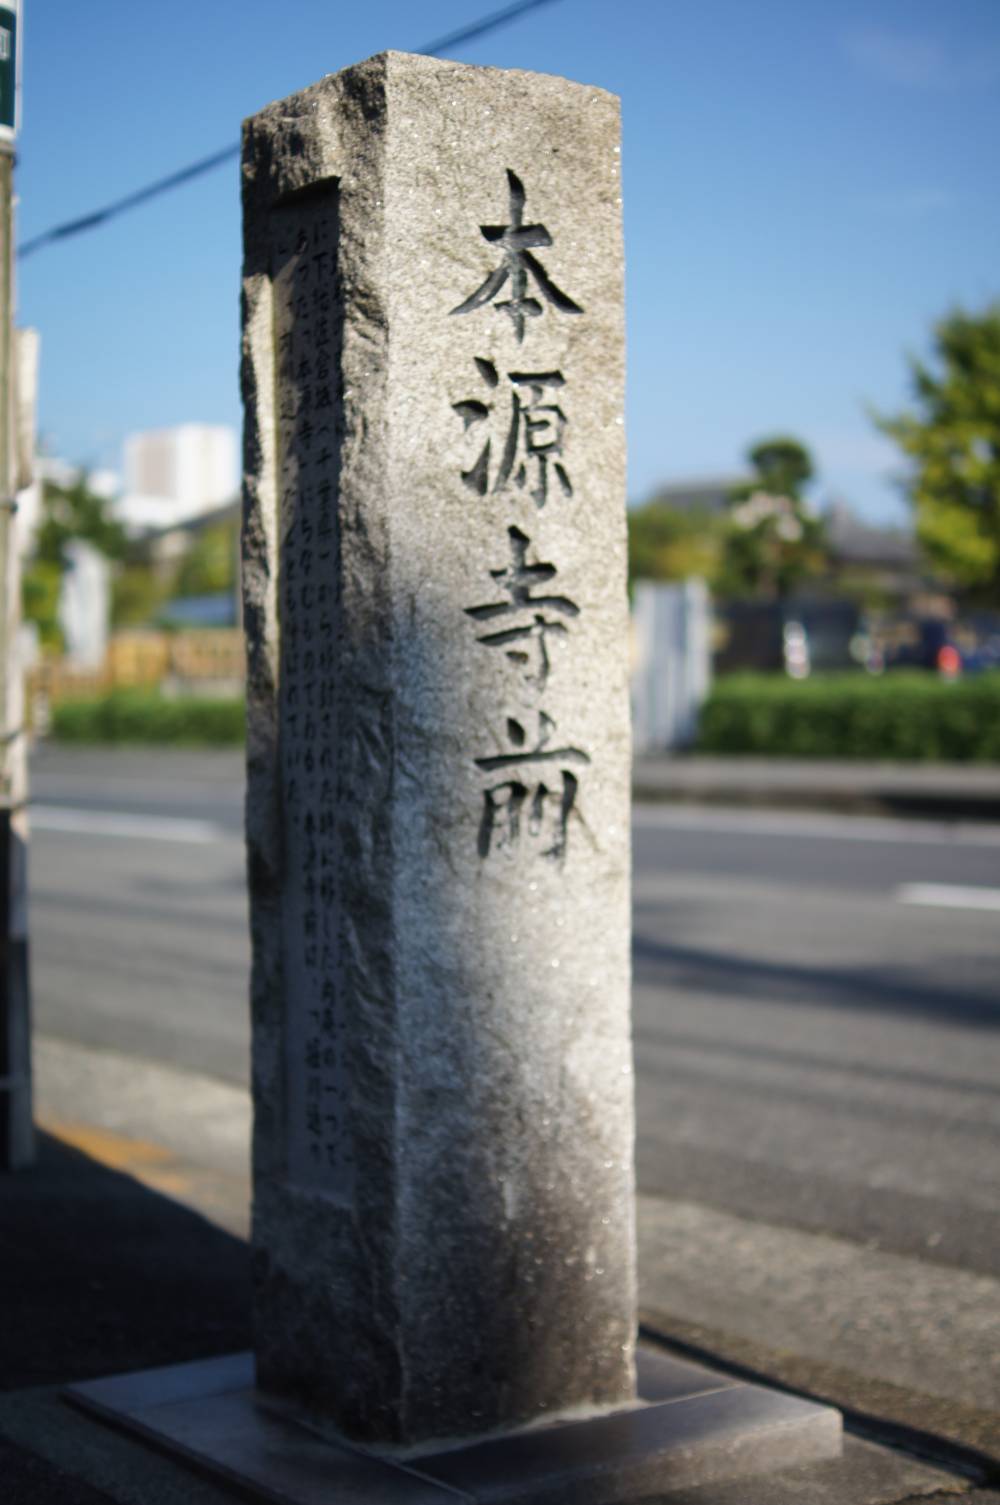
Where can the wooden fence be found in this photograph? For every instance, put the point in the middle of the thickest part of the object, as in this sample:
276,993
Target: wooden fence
198,663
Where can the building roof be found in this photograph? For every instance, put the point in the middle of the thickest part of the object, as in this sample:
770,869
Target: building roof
852,541
710,493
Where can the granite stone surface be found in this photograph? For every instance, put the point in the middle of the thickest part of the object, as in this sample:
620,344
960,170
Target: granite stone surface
438,750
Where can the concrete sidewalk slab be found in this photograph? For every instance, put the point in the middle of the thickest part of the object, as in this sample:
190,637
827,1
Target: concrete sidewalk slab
185,1135
101,1274
896,1320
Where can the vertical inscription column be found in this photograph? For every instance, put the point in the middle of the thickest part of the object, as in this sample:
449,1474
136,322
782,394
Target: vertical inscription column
303,279
523,460
438,751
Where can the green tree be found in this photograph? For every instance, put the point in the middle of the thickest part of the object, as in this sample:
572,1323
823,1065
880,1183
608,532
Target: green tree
951,435
772,541
75,512
67,513
137,593
209,566
783,467
40,583
672,543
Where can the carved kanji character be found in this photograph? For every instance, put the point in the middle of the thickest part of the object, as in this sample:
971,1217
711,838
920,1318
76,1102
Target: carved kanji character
517,240
541,752
512,810
518,579
534,439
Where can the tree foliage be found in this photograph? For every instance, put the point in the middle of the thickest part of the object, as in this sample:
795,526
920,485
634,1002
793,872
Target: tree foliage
763,544
951,435
773,543
75,512
209,565
137,594
783,467
40,584
68,513
672,543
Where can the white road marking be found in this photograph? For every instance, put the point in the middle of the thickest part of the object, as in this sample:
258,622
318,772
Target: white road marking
949,896
732,822
87,822
113,823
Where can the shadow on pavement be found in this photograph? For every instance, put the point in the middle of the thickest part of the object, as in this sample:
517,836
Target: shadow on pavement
99,1274
694,969
775,1055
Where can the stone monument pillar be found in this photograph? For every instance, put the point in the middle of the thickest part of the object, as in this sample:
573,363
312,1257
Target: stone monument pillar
438,754
438,828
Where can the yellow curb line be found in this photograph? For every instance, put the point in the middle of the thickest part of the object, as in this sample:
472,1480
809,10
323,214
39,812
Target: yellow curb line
146,1162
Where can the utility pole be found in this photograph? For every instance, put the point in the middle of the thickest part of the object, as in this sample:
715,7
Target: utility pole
16,1126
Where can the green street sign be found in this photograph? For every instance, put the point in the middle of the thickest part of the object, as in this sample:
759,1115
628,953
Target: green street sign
8,71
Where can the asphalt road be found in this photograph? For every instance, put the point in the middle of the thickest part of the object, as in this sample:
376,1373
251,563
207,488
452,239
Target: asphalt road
817,998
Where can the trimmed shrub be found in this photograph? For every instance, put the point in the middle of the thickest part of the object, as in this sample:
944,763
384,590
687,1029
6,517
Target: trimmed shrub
147,716
914,716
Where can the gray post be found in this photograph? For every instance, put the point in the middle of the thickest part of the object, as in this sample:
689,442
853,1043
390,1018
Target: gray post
673,670
17,1135
438,750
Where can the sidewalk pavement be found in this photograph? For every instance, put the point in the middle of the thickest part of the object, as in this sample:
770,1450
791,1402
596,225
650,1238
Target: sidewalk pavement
951,790
123,1248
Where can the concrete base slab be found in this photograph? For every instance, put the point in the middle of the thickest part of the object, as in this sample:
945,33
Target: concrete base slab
691,1426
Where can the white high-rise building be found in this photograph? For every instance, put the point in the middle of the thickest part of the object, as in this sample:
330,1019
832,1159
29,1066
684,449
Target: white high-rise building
173,475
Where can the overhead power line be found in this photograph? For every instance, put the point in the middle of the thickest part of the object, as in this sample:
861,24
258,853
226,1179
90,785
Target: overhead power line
130,201
97,217
480,28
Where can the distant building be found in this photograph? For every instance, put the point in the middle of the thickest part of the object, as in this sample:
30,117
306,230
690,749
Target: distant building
700,493
172,476
887,558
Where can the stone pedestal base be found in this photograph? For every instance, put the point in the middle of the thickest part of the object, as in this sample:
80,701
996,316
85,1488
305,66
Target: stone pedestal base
691,1426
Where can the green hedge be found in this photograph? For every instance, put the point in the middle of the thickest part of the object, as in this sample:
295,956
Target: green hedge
909,715
146,716
901,715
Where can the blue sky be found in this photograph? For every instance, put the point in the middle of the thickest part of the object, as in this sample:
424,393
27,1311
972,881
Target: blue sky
808,185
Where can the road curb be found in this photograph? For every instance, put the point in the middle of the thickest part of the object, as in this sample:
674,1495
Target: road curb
932,804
